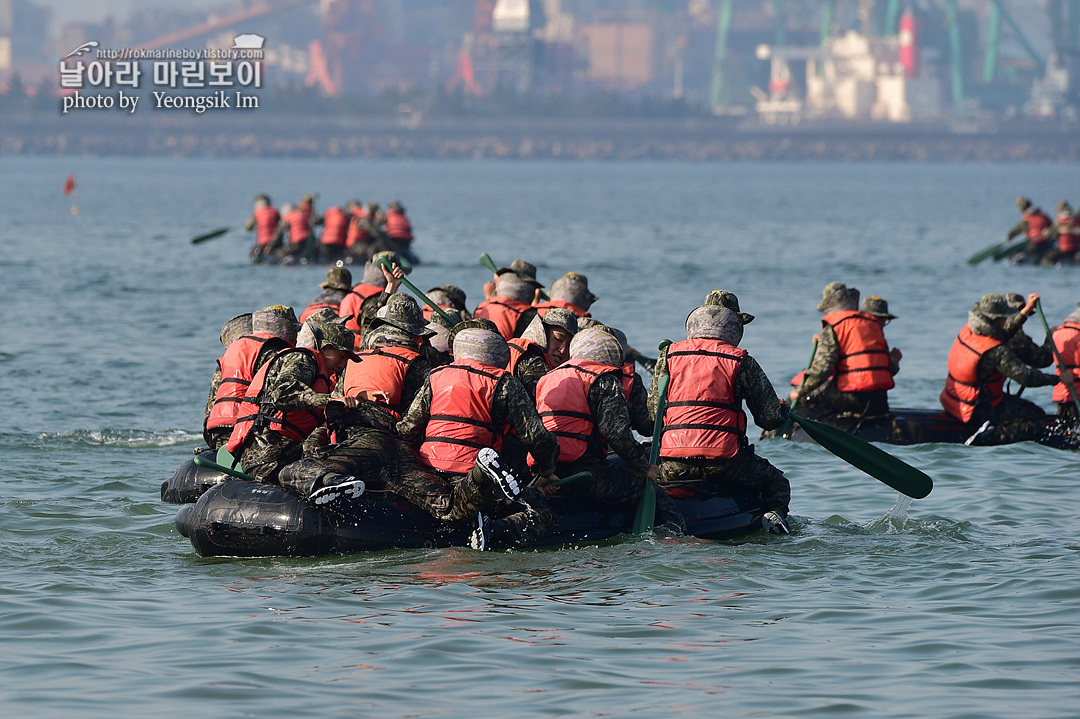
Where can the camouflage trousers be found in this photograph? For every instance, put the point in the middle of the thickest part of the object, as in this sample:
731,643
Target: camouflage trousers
1014,420
615,484
266,453
217,438
727,477
385,462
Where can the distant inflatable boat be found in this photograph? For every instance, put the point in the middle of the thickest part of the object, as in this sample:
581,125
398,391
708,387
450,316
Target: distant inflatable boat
921,426
238,518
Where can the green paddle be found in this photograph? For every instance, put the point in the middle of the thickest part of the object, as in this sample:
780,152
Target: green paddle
646,510
986,253
1057,355
879,464
572,478
1009,250
209,464
785,431
214,234
383,262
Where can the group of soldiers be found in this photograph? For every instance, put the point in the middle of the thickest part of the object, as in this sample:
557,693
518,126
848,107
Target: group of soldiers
1048,240
852,367
350,233
475,416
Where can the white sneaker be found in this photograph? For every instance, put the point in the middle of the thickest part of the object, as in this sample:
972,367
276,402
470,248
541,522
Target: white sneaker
774,523
349,487
476,539
491,465
980,430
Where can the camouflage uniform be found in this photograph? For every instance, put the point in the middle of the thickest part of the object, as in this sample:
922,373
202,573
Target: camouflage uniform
288,386
1014,419
528,519
727,477
638,405
368,449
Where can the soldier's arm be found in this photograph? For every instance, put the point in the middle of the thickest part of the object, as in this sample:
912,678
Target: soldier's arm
752,386
412,426
249,225
822,366
1005,361
529,370
639,408
289,385
511,403
415,378
1018,229
608,407
215,384
660,370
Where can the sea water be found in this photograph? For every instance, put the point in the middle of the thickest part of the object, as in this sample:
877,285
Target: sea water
963,604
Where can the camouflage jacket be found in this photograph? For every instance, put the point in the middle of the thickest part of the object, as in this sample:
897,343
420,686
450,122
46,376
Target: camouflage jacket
827,354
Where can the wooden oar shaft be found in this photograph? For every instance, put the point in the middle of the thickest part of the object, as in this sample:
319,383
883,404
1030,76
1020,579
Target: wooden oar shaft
1057,355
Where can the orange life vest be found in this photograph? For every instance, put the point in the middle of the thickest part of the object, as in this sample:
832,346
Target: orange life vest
382,368
295,424
335,225
519,347
543,307
237,370
357,233
351,304
863,364
398,226
428,312
562,400
460,423
702,417
267,220
504,312
1037,222
962,387
1069,236
299,228
316,306
1067,340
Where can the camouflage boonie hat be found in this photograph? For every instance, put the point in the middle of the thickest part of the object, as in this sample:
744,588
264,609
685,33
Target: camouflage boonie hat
448,296
714,322
481,345
337,278
395,205
995,306
277,320
235,328
617,334
511,285
336,336
438,321
1064,206
521,268
326,314
1014,299
562,318
599,345
1023,203
476,323
573,287
402,311
877,307
729,300
584,323
838,296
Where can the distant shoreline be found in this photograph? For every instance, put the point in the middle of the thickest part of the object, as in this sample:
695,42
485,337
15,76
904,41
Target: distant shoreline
97,133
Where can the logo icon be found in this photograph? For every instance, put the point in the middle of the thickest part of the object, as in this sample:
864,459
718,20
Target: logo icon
249,41
87,47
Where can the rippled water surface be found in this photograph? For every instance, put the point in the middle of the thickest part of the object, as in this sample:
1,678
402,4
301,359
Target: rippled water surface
964,604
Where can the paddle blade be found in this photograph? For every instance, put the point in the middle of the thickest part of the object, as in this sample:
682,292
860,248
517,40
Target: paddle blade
210,235
879,464
646,510
985,253
1009,250
485,260
225,458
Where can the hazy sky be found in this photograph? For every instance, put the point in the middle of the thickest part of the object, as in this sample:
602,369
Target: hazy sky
97,10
